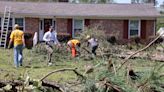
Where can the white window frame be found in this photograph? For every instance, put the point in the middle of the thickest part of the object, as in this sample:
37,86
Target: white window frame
13,22
0,23
23,22
73,31
139,28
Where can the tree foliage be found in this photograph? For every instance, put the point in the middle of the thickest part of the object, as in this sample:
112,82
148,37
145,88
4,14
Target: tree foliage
144,1
72,1
93,1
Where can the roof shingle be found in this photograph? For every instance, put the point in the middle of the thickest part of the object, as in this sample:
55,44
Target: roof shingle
69,9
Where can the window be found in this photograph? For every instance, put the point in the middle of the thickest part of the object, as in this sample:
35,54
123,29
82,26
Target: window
77,27
10,28
134,26
20,22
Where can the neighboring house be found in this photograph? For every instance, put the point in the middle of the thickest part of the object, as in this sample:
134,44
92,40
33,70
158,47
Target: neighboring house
128,20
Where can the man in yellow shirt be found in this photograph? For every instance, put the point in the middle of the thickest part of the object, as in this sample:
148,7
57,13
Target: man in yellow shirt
17,37
74,46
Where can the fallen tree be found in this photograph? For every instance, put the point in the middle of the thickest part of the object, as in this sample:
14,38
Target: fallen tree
147,46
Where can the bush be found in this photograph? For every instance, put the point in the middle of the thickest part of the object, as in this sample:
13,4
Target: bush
112,39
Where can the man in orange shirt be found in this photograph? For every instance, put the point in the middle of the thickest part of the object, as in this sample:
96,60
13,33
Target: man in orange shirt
17,37
74,47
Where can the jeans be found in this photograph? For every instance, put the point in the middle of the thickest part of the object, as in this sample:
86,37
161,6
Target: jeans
18,55
94,49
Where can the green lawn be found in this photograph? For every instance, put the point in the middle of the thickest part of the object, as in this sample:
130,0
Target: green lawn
35,66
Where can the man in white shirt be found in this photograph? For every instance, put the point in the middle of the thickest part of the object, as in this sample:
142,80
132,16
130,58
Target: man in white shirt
50,38
93,43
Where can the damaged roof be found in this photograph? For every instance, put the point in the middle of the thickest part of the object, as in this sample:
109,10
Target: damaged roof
70,9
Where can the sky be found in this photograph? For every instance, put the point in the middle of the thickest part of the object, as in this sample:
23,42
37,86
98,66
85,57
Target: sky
128,1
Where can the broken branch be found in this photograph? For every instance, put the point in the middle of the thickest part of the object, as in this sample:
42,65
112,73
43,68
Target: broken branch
114,87
61,70
126,59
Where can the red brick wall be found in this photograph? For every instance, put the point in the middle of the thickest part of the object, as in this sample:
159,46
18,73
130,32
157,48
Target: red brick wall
31,26
116,27
111,27
150,28
64,28
61,25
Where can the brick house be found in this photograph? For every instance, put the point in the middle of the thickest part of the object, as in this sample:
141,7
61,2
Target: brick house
128,20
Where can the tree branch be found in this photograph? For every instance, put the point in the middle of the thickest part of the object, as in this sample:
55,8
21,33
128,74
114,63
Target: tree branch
61,70
126,59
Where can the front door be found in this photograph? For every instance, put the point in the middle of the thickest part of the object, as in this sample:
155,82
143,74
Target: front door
47,24
44,25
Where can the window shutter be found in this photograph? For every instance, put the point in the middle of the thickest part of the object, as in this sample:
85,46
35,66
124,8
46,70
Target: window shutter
125,33
69,26
143,29
87,22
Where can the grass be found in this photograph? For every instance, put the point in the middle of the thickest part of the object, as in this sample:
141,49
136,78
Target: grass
35,65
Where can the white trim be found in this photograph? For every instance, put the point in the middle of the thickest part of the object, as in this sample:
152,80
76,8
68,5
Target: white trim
23,22
82,16
0,23
139,28
40,35
73,33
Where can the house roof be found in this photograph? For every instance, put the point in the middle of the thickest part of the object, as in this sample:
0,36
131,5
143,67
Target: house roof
69,9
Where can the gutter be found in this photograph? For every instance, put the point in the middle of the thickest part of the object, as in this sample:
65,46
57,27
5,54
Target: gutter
36,15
